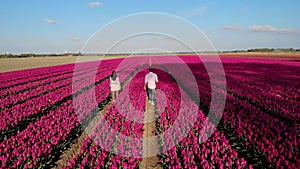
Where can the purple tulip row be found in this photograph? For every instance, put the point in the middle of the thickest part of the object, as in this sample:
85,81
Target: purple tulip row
215,152
275,84
109,137
32,128
35,79
12,116
28,148
51,85
116,138
281,135
62,121
279,87
21,75
268,71
270,99
29,75
261,89
242,119
27,81
243,87
39,139
267,134
33,82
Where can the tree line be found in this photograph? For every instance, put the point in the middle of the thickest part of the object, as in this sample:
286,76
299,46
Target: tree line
26,55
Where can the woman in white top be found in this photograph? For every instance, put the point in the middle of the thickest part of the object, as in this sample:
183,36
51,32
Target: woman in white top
114,85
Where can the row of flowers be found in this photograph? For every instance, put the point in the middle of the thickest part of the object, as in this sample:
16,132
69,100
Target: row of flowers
12,116
27,91
272,137
194,150
271,97
35,145
116,140
18,77
9,79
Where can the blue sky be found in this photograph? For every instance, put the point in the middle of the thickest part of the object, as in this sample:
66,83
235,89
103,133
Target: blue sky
56,26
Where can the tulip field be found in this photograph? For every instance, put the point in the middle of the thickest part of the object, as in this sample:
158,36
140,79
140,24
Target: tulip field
45,110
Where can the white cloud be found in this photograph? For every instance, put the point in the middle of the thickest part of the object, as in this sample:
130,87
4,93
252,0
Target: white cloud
94,4
75,39
50,21
195,11
268,28
232,28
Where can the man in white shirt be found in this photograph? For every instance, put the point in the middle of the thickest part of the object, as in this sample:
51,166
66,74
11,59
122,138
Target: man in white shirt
151,83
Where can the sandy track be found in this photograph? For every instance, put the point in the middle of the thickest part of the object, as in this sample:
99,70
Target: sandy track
150,146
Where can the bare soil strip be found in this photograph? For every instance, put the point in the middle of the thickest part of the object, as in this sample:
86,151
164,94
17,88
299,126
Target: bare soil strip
74,149
150,147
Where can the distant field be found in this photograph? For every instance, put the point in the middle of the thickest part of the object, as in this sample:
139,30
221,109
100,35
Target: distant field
11,64
265,55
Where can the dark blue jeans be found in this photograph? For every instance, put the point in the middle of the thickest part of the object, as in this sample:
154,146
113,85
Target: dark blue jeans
151,94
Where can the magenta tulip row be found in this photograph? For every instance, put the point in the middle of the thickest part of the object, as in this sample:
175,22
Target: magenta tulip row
39,139
270,89
117,136
113,136
23,76
268,134
268,98
8,81
50,119
215,152
242,118
36,74
12,116
282,140
51,85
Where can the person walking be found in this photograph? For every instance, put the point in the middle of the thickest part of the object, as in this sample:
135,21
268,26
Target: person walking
151,82
114,85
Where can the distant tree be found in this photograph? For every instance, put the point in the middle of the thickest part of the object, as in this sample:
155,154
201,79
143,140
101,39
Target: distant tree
261,50
27,55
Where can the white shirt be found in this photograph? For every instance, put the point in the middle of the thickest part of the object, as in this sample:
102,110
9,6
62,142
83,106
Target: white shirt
151,79
114,81
115,84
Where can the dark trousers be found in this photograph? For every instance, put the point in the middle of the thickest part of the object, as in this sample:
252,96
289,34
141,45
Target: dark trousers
151,94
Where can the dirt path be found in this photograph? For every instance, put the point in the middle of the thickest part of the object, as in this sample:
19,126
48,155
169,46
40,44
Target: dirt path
150,143
74,149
